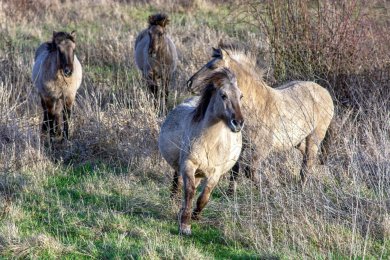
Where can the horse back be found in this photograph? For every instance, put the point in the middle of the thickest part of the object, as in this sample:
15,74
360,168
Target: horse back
140,50
172,130
307,92
310,100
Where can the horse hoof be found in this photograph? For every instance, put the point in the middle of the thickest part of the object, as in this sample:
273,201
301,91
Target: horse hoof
185,230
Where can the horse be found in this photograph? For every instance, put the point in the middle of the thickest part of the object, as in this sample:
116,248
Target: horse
156,57
201,138
296,114
57,76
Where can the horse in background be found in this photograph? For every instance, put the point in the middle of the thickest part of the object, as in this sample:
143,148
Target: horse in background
296,114
57,75
156,57
201,138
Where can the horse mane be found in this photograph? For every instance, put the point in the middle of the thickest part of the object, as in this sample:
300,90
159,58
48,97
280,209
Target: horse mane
213,82
240,53
161,19
58,37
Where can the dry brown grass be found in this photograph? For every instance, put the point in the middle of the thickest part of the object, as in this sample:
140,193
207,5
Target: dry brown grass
343,213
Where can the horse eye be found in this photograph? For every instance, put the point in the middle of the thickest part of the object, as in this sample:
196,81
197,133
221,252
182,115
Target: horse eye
241,96
223,96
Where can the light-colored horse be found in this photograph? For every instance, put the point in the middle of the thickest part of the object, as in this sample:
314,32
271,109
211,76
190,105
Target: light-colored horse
201,138
296,114
57,75
156,57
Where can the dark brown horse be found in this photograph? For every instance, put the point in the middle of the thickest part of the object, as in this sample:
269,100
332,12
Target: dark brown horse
57,76
156,57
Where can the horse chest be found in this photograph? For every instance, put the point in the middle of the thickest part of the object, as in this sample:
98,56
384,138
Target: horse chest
212,152
59,87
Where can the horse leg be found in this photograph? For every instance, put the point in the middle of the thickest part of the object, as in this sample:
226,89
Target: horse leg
67,112
251,169
188,174
302,147
177,183
45,123
311,148
165,94
58,110
153,87
204,196
233,179
326,143
49,117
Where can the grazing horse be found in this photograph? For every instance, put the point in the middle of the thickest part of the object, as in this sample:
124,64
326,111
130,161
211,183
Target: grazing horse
57,76
296,114
156,57
210,139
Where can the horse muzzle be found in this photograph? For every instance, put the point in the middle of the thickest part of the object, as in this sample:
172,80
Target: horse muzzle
236,125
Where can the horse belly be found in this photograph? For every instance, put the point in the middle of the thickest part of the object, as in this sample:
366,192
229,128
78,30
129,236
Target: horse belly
292,131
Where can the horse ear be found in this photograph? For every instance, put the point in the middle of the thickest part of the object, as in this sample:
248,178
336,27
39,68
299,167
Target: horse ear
150,19
220,43
225,55
217,53
73,34
54,34
165,22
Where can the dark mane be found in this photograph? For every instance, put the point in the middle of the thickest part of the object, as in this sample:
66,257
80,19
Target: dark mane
161,19
59,37
203,104
212,83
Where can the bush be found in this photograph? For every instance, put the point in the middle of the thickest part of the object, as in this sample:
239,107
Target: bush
334,42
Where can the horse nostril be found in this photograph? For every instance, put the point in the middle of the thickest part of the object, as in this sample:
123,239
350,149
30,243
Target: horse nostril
237,123
189,83
67,72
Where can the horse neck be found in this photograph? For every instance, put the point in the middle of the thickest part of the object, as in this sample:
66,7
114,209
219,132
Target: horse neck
54,63
256,92
211,122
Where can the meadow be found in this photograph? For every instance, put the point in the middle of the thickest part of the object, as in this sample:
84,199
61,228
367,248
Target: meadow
105,193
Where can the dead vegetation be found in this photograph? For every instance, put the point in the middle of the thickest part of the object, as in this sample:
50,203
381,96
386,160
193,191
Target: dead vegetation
342,45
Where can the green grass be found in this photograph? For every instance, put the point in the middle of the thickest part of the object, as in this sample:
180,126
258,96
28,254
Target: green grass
77,208
110,199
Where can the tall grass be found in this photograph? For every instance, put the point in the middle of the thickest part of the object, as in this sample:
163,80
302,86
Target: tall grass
338,43
105,193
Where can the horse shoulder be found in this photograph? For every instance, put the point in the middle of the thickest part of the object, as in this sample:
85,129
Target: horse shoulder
43,68
141,51
172,131
140,37
41,50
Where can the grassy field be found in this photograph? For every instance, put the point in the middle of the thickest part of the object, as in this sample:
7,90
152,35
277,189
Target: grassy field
105,192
